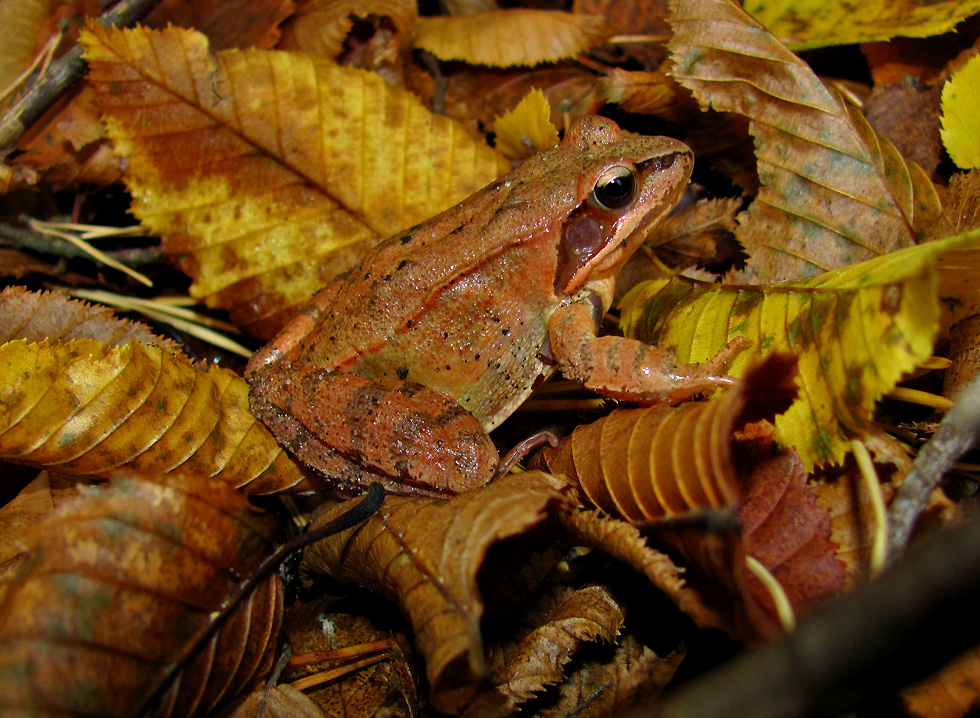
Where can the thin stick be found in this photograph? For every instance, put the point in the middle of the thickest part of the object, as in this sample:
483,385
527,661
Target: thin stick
955,436
61,75
339,654
317,678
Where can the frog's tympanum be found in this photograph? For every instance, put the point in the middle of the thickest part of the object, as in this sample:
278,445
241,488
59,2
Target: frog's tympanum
397,369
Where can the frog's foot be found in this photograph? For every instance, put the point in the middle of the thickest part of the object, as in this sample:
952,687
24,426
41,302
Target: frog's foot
523,449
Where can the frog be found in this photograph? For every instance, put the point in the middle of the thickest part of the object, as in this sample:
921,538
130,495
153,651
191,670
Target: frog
397,370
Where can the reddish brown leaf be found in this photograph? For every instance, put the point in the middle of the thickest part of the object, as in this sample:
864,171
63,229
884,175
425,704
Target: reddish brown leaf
118,586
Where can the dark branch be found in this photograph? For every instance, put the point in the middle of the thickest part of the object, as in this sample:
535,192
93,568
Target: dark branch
863,646
60,75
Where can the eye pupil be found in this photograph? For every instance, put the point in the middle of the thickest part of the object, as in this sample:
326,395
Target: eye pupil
615,188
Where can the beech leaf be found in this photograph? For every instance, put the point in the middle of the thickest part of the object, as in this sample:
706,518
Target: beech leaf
36,316
269,173
81,408
527,128
856,331
118,586
503,38
817,23
833,192
423,554
960,108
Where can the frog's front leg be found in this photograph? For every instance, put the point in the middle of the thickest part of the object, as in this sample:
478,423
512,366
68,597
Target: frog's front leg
628,369
413,439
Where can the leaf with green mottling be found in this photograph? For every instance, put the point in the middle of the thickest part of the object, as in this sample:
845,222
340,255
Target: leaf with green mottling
121,585
832,191
817,23
855,330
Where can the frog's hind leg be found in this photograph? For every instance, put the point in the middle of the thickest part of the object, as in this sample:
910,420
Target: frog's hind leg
413,439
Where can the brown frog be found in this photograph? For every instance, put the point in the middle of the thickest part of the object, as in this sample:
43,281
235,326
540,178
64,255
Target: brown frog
397,369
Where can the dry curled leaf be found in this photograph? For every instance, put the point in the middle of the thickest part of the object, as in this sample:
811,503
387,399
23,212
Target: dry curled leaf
833,192
117,588
82,408
625,543
610,686
503,38
311,157
856,331
423,555
563,620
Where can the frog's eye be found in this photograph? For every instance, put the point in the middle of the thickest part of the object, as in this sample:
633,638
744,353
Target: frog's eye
615,188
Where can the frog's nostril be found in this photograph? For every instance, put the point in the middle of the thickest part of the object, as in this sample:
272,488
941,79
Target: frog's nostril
667,161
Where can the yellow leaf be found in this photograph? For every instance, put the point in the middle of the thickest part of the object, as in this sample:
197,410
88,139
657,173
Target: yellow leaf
856,331
504,38
81,408
816,23
268,173
527,128
961,108
833,192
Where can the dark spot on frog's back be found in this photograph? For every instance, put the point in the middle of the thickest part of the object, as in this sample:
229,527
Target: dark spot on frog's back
402,372
406,239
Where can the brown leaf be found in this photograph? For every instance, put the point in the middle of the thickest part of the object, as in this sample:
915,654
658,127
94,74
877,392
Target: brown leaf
610,687
951,693
476,95
36,316
32,504
562,620
833,193
644,464
639,17
244,23
82,408
624,542
320,27
281,701
961,209
503,38
690,236
909,117
423,555
118,586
